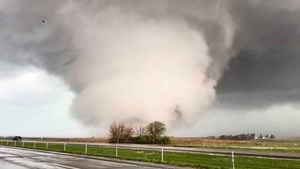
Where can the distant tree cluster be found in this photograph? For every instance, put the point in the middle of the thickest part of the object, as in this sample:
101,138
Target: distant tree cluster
247,136
267,136
153,133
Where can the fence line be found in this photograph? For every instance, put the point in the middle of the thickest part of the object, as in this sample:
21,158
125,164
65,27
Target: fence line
162,154
45,145
124,146
86,148
232,157
157,148
134,152
108,145
162,149
66,147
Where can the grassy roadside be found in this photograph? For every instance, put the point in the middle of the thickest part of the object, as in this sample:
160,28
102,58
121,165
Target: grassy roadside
180,159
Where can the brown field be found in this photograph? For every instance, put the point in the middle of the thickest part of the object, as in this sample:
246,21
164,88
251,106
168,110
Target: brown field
278,144
79,139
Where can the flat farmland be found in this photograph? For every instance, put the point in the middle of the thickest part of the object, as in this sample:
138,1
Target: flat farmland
173,157
288,145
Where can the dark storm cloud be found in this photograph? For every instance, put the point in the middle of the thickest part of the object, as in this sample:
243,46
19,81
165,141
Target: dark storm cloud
34,35
34,32
80,40
106,51
266,67
250,72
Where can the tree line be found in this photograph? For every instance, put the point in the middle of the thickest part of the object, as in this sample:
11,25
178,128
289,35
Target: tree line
248,136
153,133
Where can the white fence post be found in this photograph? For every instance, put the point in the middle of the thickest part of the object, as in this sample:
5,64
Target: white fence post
47,145
116,150
15,143
65,146
232,156
34,144
86,150
162,154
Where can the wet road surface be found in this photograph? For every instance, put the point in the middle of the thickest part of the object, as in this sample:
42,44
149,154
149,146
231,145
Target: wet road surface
26,159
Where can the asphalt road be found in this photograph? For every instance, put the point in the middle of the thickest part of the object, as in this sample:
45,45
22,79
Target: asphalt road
26,159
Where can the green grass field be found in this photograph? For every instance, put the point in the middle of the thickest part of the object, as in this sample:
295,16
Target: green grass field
180,159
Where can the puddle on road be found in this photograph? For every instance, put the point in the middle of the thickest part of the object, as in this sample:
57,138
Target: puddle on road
29,163
23,159
6,155
22,152
6,165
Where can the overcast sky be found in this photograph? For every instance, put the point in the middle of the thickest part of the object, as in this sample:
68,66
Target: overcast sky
71,68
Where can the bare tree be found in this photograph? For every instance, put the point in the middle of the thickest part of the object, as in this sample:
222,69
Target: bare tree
120,133
140,131
128,132
114,132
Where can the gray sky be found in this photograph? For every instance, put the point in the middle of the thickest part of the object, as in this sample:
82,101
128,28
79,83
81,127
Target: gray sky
70,68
